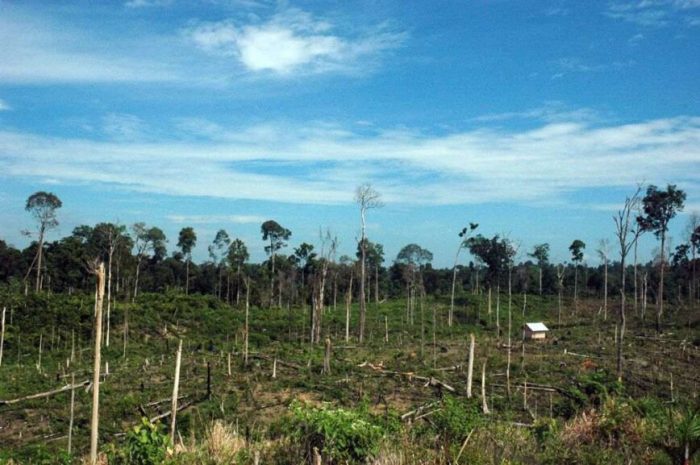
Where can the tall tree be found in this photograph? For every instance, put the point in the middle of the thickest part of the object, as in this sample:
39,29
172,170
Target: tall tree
660,206
414,257
146,240
218,252
277,236
367,198
627,237
237,256
576,248
463,244
540,253
42,206
186,242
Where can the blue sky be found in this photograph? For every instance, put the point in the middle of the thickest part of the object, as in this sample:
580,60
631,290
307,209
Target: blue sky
533,118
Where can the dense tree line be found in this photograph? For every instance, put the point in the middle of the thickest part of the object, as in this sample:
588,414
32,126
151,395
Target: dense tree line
137,260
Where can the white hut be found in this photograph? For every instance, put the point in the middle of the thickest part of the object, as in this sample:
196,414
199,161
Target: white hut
535,330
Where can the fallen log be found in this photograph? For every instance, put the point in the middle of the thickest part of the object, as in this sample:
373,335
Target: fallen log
41,395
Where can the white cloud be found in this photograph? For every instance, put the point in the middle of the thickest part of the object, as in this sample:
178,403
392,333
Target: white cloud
123,126
323,163
4,106
216,219
147,3
651,13
38,50
292,41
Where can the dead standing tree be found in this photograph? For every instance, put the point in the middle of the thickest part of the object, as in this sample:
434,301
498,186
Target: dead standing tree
627,237
367,198
99,270
463,244
329,244
604,254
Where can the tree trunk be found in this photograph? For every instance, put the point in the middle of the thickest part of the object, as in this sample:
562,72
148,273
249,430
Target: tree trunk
2,334
136,282
470,365
348,302
176,386
187,276
540,267
363,304
40,255
660,304
622,320
605,291
94,424
484,404
454,283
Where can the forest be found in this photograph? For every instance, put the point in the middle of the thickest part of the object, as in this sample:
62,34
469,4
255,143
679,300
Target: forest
116,348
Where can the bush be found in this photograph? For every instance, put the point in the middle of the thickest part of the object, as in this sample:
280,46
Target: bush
339,435
146,444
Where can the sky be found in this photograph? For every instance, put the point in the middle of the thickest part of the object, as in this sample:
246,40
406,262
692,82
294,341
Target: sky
535,119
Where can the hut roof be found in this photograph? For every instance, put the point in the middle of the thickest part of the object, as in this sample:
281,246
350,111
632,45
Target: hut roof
536,327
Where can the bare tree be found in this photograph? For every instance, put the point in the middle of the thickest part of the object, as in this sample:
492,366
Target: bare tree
367,198
604,254
329,244
99,270
463,244
627,235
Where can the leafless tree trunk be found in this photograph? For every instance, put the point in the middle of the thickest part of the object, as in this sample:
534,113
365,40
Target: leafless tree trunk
367,198
247,313
348,303
2,334
99,271
627,238
484,404
176,386
560,281
72,414
327,358
470,365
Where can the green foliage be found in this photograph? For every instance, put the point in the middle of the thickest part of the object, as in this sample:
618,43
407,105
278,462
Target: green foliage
453,422
146,444
340,435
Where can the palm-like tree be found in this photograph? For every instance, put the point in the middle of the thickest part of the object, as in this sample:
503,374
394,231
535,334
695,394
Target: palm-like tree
678,434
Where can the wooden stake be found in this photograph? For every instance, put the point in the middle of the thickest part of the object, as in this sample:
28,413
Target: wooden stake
470,366
2,334
484,405
247,311
327,358
99,299
386,330
229,363
72,414
41,343
274,368
176,386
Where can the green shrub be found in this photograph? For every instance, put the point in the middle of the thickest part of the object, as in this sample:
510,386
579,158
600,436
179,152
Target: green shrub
340,435
146,444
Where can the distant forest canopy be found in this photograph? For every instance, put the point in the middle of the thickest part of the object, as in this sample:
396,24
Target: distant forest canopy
138,261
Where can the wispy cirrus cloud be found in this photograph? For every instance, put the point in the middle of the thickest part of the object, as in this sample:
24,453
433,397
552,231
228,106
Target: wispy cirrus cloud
216,219
322,163
38,50
293,41
652,13
4,106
